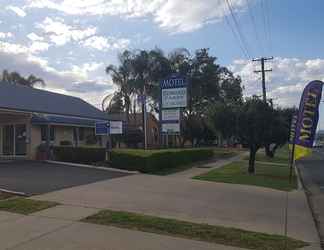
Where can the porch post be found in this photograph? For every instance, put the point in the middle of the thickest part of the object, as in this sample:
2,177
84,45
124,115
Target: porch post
77,136
48,140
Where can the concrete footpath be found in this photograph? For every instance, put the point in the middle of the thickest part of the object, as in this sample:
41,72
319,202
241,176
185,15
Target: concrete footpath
239,206
203,168
58,228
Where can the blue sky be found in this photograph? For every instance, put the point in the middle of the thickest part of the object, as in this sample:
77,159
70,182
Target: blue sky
69,42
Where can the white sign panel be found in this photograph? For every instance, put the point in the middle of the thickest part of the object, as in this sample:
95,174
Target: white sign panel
116,127
174,98
170,114
171,127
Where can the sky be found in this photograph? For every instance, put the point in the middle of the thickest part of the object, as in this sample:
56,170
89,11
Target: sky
69,43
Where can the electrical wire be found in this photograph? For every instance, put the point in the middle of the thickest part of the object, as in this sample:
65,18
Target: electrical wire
237,26
254,26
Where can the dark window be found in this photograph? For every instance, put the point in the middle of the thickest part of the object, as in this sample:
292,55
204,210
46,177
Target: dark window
81,134
44,133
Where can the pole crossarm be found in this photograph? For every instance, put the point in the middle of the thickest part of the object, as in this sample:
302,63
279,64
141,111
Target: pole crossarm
262,58
263,71
260,71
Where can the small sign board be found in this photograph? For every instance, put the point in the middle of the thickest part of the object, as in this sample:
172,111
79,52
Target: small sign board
174,92
102,128
171,128
116,127
170,114
109,127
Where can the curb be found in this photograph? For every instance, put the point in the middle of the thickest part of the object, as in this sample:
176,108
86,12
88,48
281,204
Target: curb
92,167
13,192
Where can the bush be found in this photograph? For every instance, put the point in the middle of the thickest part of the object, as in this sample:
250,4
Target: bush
65,143
154,161
79,154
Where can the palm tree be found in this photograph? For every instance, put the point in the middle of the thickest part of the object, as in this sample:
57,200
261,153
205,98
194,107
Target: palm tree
121,76
15,78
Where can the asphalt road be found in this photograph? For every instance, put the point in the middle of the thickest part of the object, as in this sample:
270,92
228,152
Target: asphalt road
312,173
31,177
314,166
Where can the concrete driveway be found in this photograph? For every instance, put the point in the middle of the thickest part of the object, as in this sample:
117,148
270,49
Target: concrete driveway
239,206
31,177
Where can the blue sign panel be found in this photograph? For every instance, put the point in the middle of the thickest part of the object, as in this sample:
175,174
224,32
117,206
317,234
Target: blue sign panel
173,82
102,128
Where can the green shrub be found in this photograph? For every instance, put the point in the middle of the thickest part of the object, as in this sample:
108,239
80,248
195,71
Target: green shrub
153,161
79,154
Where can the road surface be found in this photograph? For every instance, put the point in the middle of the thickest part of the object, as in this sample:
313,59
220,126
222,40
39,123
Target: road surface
312,173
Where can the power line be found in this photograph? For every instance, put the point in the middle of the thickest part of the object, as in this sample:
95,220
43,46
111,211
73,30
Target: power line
267,10
254,26
237,38
266,25
239,32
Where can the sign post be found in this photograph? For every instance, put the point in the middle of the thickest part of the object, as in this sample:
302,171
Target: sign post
173,97
108,129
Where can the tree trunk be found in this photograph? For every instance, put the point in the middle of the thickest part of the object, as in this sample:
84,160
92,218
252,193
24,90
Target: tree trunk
268,151
251,168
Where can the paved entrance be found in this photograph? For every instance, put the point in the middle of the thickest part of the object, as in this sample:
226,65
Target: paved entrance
33,177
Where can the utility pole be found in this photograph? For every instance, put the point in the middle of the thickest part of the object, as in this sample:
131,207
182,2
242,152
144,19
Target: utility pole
263,71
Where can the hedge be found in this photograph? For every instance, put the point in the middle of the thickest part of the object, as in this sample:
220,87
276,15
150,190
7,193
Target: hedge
79,154
153,161
149,161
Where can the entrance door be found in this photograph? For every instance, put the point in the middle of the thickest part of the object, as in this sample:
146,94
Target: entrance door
20,139
8,139
14,139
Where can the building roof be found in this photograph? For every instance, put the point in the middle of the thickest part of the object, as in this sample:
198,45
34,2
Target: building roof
39,119
21,98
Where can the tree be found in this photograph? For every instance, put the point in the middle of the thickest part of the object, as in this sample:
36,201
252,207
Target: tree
16,78
254,121
116,104
121,76
221,118
279,132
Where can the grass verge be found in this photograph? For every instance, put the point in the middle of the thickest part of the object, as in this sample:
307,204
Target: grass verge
215,234
281,156
25,206
270,176
4,196
218,154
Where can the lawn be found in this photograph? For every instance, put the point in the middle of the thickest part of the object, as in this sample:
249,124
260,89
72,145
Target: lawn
281,156
270,176
4,196
25,206
204,232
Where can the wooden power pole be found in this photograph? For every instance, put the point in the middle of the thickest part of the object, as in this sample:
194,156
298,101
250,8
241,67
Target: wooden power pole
263,71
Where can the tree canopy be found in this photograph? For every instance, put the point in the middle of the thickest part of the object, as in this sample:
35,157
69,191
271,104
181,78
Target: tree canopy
15,78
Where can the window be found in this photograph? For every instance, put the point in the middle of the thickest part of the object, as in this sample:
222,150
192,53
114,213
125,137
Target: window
44,133
81,134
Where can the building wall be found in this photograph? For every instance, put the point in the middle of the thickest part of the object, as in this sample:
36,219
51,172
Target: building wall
62,133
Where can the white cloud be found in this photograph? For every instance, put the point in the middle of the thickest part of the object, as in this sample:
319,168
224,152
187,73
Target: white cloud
174,16
19,12
60,33
37,46
106,43
34,37
5,35
287,80
68,81
84,69
13,48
